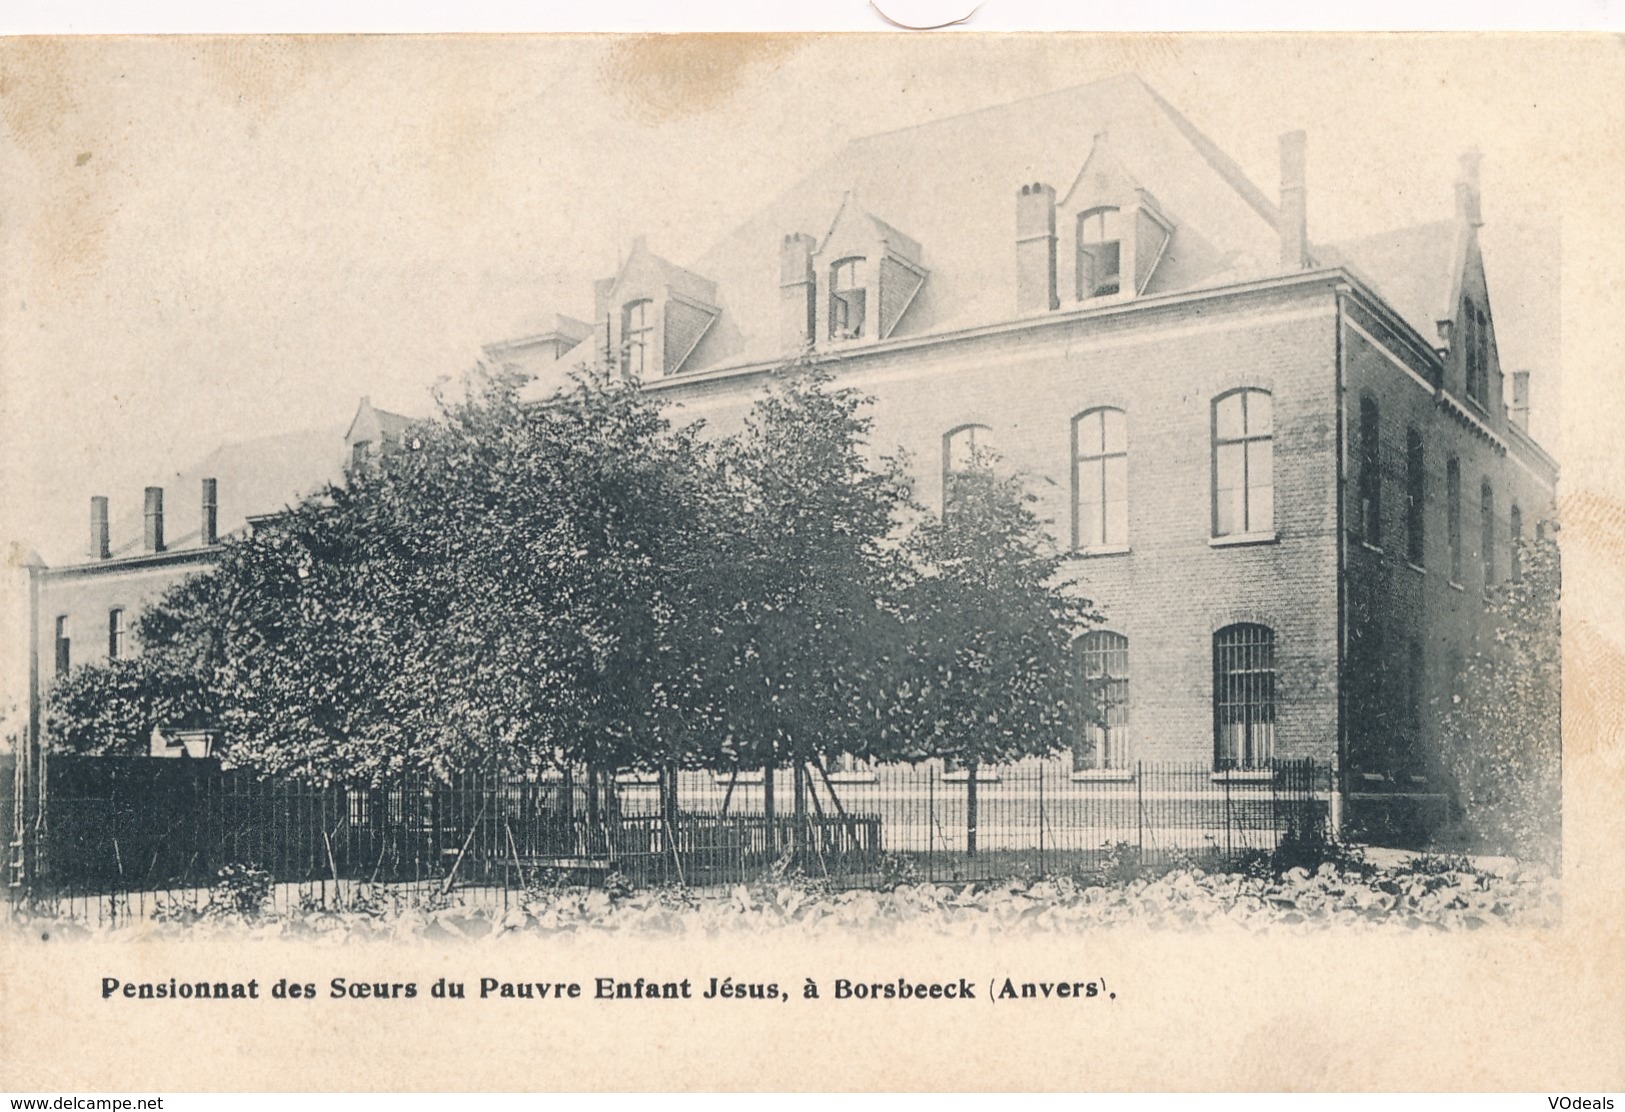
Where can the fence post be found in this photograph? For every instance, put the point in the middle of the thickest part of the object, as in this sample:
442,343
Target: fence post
931,821
1139,807
1041,817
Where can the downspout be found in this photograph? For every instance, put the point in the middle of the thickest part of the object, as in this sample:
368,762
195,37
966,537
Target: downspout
1340,755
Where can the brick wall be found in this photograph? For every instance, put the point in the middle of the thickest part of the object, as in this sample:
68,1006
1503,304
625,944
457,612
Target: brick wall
1173,589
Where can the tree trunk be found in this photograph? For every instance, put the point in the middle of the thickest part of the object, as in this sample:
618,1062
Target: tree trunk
798,833
970,809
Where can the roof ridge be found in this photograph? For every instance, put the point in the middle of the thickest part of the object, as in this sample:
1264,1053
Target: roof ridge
1065,90
1226,166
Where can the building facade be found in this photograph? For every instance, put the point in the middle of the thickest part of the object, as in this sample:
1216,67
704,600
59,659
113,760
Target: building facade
1288,473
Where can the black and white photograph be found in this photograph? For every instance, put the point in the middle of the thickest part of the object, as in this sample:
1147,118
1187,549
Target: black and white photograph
735,545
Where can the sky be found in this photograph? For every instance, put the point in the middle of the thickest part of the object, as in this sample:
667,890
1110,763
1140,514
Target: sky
213,239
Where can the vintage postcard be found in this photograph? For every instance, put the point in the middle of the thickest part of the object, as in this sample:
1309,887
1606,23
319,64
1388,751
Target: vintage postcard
734,562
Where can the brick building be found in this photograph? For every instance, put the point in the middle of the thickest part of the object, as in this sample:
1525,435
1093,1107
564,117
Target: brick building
1287,471
84,609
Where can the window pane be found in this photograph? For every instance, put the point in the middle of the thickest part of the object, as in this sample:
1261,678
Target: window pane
1227,415
1260,413
1230,493
1116,430
1261,483
1117,523
1089,434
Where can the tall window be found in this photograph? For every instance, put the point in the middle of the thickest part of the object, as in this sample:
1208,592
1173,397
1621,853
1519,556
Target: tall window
848,300
1100,479
1102,739
1100,252
1243,696
962,449
64,654
1482,348
1243,464
1452,509
1370,474
637,333
1486,524
115,633
1469,346
1415,497
1515,543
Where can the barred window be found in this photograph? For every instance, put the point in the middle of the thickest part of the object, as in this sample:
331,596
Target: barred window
1452,496
963,449
1100,479
1243,696
1486,521
1102,738
115,633
848,299
1370,474
637,331
1415,497
1100,253
1243,463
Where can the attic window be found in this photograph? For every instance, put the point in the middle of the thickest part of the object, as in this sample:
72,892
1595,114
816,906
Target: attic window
1100,252
360,451
847,299
636,333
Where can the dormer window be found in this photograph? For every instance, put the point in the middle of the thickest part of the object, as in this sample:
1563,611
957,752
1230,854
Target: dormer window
1100,253
360,452
637,333
848,299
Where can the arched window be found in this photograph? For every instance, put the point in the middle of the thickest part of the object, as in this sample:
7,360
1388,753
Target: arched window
1452,510
1243,696
637,333
1415,497
1102,737
1243,464
963,449
1486,524
848,299
1100,253
1370,474
1469,314
64,645
1100,479
1515,543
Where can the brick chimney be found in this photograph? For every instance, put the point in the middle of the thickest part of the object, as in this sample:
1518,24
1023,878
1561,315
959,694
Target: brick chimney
101,546
209,519
1035,249
1293,223
154,513
1469,201
797,303
1518,407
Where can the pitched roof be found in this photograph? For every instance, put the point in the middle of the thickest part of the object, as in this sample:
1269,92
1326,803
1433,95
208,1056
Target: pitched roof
1413,269
252,477
951,185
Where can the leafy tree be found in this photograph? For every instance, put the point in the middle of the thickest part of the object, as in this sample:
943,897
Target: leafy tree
1500,738
987,669
798,581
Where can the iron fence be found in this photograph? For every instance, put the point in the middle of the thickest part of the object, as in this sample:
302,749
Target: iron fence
126,835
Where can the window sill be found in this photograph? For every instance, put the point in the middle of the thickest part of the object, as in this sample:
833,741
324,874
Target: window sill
1102,775
1242,538
962,777
1104,550
1454,586
1369,547
853,778
1243,775
1417,568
